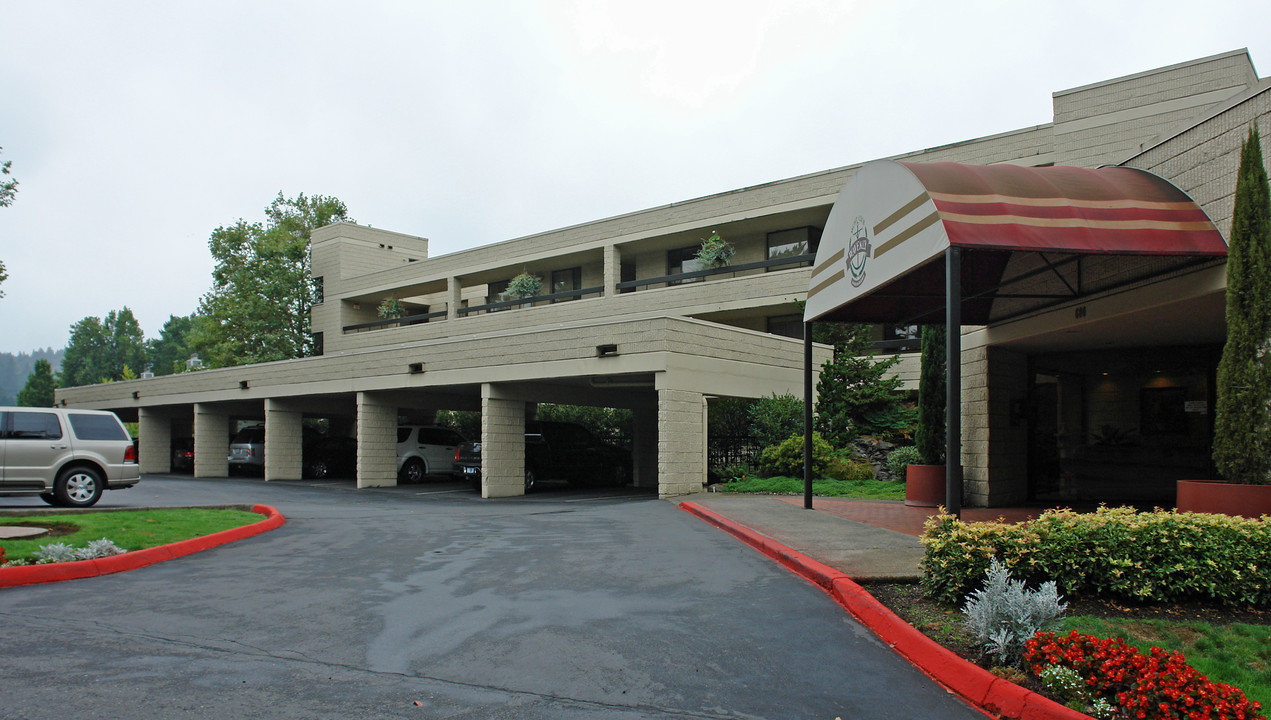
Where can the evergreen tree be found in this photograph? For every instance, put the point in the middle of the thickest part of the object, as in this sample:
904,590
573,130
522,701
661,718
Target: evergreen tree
99,350
932,397
38,391
856,394
1242,421
169,352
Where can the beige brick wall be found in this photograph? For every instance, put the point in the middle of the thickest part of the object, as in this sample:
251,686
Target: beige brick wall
681,442
154,432
283,441
376,440
211,441
502,445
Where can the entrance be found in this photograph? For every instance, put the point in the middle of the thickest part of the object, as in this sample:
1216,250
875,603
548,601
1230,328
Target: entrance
1120,425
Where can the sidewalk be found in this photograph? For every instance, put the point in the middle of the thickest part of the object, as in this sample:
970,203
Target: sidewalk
865,539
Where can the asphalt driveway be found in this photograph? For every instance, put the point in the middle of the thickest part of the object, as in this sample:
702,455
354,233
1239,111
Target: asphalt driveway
426,601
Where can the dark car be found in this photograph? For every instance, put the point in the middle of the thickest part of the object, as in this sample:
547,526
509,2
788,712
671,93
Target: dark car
325,455
559,451
182,454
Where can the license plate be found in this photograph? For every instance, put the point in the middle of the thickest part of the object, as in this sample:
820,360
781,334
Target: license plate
471,471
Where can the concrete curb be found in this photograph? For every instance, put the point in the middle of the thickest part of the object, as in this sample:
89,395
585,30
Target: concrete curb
977,686
56,572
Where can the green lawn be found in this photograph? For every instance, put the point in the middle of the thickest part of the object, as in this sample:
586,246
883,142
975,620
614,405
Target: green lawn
861,489
1236,654
129,529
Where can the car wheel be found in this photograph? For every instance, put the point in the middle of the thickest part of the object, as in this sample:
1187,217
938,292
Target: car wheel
620,475
530,480
49,498
79,487
319,470
413,470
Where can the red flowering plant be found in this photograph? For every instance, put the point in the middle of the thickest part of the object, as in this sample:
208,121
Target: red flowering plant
1158,685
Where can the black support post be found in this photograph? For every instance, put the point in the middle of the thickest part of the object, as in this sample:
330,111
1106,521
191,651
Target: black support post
953,384
807,416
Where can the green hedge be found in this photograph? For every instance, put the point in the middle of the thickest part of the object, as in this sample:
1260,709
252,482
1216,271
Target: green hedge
1161,556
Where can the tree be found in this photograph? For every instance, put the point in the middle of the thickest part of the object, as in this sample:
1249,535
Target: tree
169,352
8,188
99,351
857,395
932,397
38,391
262,291
1242,418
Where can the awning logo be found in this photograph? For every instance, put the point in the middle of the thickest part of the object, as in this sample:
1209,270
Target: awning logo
858,251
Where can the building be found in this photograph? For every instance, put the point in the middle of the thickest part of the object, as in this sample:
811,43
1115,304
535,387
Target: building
1107,397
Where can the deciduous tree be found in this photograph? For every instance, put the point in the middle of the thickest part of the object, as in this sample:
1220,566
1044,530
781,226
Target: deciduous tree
99,350
258,307
169,352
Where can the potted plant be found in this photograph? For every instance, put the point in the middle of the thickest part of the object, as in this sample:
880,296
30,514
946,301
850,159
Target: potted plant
524,286
925,481
1242,419
715,252
391,308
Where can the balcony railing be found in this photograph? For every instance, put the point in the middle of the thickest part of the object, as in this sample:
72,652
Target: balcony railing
402,321
792,261
526,302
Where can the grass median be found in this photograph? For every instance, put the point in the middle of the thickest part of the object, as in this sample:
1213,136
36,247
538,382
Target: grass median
128,529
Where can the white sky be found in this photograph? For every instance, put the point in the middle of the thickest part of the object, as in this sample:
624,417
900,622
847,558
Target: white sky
136,128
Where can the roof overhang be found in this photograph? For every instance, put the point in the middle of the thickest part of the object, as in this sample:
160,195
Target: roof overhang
1030,238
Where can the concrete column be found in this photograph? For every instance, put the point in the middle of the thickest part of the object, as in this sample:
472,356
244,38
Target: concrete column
154,432
211,441
994,434
644,446
283,442
376,440
681,442
454,298
502,444
613,269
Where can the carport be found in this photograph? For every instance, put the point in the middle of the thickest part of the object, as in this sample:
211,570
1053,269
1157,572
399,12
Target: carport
912,243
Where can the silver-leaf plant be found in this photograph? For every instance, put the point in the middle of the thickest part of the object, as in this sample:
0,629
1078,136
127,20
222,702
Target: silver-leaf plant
1004,613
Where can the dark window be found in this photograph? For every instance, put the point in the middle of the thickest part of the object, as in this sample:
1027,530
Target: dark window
566,280
684,260
627,273
786,325
250,435
793,242
97,427
317,343
497,292
34,426
318,290
901,332
403,434
438,436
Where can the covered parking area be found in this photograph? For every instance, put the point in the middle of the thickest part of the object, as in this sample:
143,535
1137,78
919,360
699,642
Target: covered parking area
1019,263
663,369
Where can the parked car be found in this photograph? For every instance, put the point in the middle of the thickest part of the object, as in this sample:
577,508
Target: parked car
182,454
559,451
66,456
326,455
247,450
424,450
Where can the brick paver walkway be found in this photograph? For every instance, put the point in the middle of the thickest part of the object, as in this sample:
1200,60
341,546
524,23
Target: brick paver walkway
895,515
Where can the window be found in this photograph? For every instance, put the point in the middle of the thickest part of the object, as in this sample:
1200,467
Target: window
566,280
790,326
97,427
902,332
627,273
317,343
34,426
684,260
497,292
318,290
793,242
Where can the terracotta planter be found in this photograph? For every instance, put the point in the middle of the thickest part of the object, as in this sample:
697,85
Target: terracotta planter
924,485
1210,496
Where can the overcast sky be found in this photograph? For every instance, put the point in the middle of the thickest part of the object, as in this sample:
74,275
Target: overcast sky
137,128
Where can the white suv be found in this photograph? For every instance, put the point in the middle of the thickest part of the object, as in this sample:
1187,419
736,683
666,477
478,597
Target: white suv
66,456
426,450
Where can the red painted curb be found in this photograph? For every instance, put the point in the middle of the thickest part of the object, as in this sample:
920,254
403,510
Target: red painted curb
56,572
982,689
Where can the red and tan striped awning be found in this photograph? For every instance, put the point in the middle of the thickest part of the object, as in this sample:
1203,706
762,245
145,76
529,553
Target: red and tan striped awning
1032,237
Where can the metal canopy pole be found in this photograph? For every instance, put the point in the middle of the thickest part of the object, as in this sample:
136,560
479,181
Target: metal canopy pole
807,415
953,383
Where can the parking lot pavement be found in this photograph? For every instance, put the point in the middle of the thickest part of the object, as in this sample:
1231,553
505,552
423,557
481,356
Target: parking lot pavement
427,601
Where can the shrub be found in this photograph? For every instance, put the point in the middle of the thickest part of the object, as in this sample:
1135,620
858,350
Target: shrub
61,552
1004,613
773,419
843,467
902,457
738,471
715,251
787,458
524,286
98,549
2,560
1157,685
1116,553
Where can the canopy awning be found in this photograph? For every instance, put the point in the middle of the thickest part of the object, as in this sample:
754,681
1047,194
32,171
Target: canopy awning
1031,238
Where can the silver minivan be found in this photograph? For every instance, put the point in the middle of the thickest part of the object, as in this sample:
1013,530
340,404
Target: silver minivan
66,456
